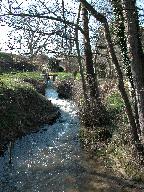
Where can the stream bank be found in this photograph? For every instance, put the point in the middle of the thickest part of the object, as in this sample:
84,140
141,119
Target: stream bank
112,141
22,107
52,160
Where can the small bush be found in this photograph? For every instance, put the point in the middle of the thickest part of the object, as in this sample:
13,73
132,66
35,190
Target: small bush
115,101
64,89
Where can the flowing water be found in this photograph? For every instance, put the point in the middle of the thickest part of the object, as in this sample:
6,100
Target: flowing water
52,160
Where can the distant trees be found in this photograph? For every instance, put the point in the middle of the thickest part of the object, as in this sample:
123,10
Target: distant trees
28,35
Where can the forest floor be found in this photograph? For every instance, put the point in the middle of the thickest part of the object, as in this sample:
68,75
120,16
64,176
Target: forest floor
103,178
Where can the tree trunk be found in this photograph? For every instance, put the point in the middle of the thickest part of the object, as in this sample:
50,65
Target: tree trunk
137,56
122,42
121,85
80,66
100,17
97,112
91,77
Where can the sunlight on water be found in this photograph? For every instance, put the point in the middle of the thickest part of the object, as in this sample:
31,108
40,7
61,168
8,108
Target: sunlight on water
44,154
51,160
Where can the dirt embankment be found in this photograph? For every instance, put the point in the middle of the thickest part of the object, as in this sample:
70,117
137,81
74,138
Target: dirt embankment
23,110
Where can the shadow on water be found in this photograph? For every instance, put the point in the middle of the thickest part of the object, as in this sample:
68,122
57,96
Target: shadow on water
52,160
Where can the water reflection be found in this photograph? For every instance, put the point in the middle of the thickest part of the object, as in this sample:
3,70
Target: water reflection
51,160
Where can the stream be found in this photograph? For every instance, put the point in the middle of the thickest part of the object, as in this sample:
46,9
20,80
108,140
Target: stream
52,159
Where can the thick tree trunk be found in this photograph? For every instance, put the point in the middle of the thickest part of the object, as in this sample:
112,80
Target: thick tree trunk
97,112
91,76
121,85
137,56
79,59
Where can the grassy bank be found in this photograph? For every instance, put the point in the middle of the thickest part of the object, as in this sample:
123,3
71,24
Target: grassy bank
65,75
34,78
22,108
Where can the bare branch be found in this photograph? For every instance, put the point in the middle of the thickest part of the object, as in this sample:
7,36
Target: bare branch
59,19
43,3
40,32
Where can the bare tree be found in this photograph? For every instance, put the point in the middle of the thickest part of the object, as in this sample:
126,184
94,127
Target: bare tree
100,17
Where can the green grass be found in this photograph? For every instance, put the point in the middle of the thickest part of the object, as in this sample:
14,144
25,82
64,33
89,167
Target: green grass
23,75
65,75
115,106
13,86
20,79
30,75
120,152
115,101
62,75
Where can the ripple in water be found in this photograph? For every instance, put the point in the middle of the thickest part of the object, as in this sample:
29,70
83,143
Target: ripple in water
41,159
51,160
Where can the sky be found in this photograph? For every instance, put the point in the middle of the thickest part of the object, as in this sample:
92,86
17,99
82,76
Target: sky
4,30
